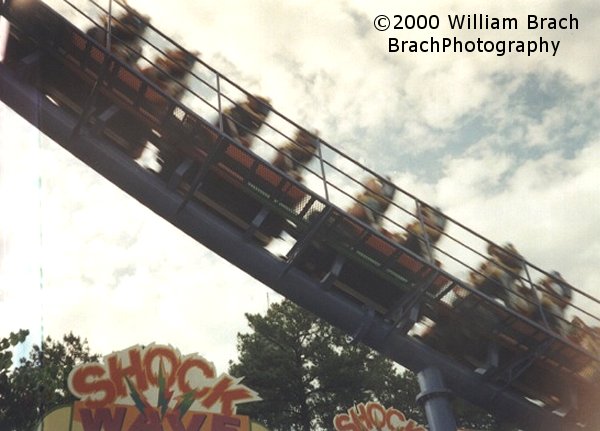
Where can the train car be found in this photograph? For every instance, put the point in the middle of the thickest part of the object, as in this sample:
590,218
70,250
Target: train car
111,94
520,350
370,267
118,100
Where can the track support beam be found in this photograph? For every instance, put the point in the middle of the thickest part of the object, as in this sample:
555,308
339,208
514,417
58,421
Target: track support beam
435,400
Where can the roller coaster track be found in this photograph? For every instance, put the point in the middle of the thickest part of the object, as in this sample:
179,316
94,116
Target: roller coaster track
396,290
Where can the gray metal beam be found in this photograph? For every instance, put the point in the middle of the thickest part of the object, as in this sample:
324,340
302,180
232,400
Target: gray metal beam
227,241
435,399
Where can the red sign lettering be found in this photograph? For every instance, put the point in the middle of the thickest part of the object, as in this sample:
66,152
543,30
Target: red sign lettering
138,369
86,380
374,417
102,419
194,425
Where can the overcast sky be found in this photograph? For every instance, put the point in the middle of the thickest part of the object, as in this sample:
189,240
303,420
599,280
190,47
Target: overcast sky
508,145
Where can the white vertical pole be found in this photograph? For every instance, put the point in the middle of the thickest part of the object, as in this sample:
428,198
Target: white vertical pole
109,30
4,31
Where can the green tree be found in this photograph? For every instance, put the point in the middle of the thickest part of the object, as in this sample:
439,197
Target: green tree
306,371
6,357
39,382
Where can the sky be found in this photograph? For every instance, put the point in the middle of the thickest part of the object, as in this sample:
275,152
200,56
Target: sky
507,145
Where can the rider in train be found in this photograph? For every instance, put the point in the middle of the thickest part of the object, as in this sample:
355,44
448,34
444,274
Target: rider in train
500,272
242,121
369,207
500,277
557,295
171,70
588,337
420,236
168,73
295,155
126,32
371,204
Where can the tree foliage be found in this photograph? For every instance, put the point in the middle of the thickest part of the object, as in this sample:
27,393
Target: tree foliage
39,382
306,372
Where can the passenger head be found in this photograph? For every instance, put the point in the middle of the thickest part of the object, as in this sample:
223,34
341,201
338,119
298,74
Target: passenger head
381,187
388,189
258,107
560,292
307,140
507,255
133,20
587,337
433,216
130,21
178,59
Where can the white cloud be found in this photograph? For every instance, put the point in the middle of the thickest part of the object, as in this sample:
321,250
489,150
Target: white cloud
548,208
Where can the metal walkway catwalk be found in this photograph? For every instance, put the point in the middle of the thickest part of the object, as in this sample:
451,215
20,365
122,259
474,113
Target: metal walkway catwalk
232,200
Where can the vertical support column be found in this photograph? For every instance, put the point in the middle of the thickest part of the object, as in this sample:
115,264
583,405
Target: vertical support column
435,400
